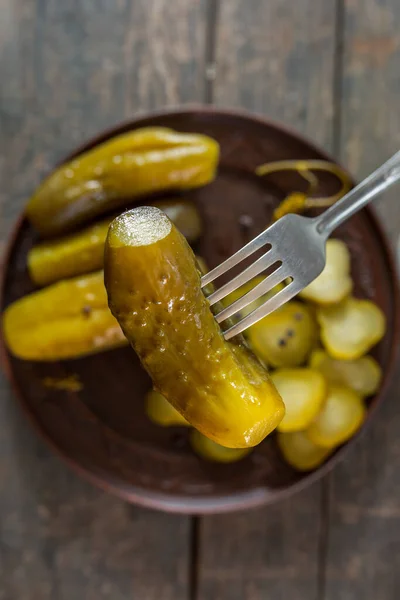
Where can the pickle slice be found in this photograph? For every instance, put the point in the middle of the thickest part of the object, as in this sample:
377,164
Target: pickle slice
304,392
285,337
300,452
342,415
209,450
350,329
154,292
335,282
363,375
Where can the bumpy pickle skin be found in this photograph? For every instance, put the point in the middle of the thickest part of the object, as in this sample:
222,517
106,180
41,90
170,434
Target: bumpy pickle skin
130,165
154,292
82,252
66,320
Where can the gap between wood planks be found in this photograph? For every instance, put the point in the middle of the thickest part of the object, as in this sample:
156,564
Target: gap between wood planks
210,67
337,92
210,36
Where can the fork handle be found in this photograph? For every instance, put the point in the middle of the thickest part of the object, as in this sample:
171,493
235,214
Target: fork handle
374,185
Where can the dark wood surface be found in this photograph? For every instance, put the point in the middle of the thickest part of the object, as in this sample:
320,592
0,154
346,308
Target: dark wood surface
68,69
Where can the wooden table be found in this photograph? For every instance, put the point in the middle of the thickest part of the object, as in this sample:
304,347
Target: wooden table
70,68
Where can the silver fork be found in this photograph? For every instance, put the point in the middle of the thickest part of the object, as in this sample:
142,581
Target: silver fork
295,249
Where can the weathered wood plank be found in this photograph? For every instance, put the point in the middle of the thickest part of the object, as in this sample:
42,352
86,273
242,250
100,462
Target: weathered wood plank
61,538
275,58
364,532
268,553
69,69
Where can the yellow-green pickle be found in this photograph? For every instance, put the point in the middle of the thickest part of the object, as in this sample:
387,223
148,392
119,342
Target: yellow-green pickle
83,251
70,255
285,337
154,292
66,320
139,162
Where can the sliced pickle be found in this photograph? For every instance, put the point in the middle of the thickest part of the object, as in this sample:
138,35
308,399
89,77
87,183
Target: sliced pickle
342,415
303,392
350,329
335,282
300,452
285,337
363,375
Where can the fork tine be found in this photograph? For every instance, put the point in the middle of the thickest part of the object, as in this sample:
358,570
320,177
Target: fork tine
247,250
264,262
262,288
269,306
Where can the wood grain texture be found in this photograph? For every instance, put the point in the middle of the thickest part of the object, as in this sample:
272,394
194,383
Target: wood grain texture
370,119
276,59
61,538
68,70
363,556
270,553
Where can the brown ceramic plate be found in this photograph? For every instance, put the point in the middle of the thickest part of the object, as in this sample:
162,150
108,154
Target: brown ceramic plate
102,431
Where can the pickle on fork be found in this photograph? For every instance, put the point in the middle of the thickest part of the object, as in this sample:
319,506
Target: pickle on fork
154,292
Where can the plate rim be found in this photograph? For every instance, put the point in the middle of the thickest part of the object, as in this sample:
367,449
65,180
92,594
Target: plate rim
235,501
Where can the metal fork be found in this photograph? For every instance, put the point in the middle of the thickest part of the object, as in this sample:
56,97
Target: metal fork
295,248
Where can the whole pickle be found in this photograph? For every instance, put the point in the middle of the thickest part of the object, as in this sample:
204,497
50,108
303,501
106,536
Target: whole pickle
130,165
83,251
154,292
70,255
66,320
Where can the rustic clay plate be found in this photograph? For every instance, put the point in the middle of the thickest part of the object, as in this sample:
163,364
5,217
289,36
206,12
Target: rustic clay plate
102,431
